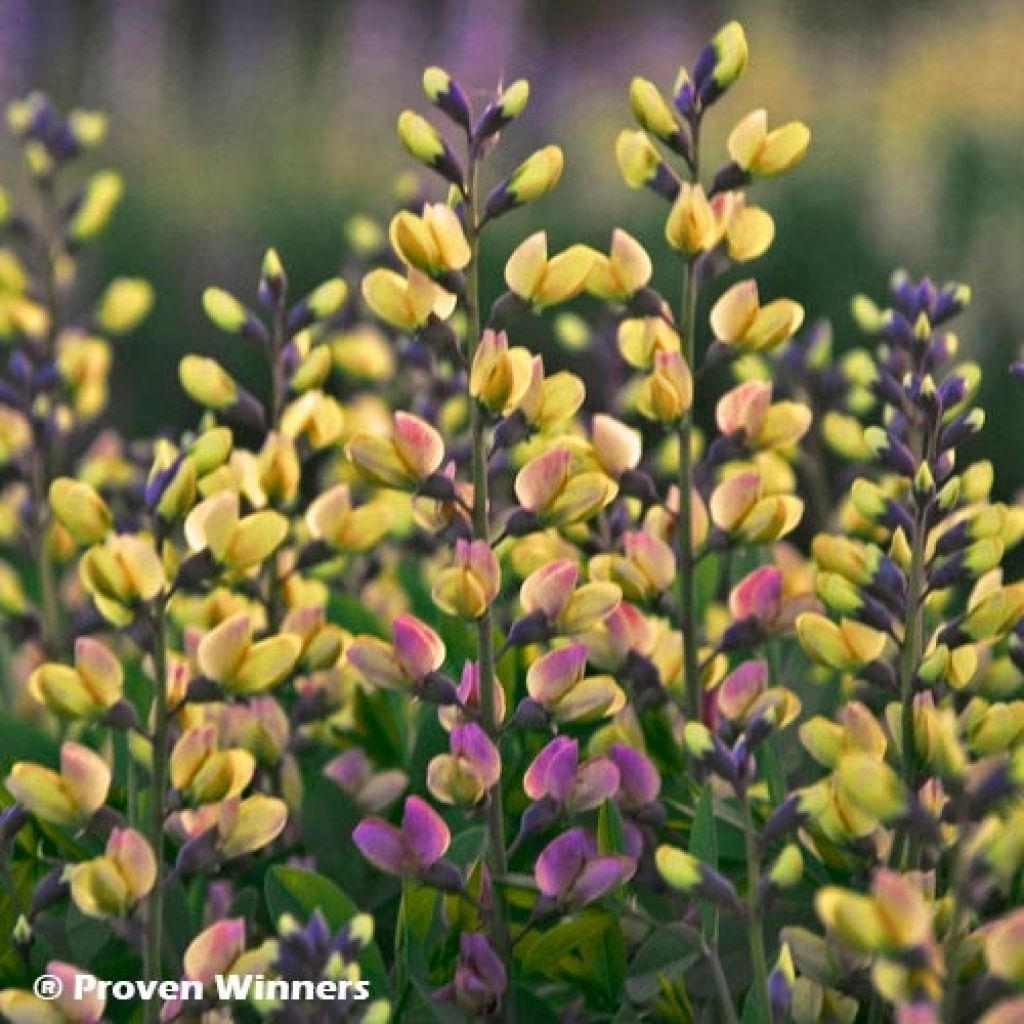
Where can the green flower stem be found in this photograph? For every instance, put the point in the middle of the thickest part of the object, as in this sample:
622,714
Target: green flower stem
686,580
153,950
50,612
278,389
755,923
494,812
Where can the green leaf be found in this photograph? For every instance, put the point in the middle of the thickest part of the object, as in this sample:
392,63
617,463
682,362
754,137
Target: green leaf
351,613
566,937
611,836
21,741
704,846
661,955
604,963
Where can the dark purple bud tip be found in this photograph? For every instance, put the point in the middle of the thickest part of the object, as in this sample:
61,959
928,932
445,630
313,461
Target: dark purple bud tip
530,629
780,996
49,891
195,570
12,821
203,691
717,888
646,302
521,522
506,307
437,688
654,815
531,715
248,411
511,430
199,855
786,818
313,554
744,633
1017,372
299,316
121,715
444,875
635,483
439,487
539,817
730,177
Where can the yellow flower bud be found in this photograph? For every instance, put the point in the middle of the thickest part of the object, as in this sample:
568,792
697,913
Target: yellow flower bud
102,193
763,153
124,305
205,381
545,282
651,109
691,226
80,510
224,310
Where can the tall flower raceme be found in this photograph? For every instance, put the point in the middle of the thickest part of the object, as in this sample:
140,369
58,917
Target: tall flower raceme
57,364
922,784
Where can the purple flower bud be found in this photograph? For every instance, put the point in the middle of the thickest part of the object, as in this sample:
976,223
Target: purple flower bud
480,978
420,842
639,781
570,870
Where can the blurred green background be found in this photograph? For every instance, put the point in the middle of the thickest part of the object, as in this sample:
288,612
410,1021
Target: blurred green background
243,123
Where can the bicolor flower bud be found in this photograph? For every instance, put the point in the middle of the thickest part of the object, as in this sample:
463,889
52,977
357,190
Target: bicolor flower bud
68,798
738,319
88,690
424,143
722,63
205,381
571,871
469,772
552,591
109,886
447,95
740,507
762,153
416,653
500,376
547,487
541,281
556,681
467,588
124,304
641,165
80,510
418,844
403,461
205,774
667,394
534,178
